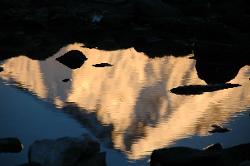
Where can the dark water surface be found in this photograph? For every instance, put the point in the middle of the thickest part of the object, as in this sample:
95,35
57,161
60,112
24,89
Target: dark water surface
128,106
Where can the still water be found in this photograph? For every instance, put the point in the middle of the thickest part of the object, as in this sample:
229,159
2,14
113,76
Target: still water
128,106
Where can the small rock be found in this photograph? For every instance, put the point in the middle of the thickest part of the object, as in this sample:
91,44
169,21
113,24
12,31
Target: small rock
213,147
102,65
67,151
10,145
72,59
1,69
66,80
219,129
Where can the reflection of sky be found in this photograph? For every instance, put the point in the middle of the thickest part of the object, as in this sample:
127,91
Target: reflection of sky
133,96
29,119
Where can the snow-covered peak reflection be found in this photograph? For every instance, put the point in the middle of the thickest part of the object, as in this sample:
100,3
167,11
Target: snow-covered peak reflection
132,96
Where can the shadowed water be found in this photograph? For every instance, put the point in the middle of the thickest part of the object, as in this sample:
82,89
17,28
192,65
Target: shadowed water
128,105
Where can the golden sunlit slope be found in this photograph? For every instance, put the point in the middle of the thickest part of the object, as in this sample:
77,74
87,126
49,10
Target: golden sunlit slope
25,72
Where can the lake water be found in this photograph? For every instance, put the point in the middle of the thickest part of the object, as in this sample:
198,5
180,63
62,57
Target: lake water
128,106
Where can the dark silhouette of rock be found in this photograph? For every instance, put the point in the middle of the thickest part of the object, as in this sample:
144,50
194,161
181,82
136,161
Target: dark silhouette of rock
126,24
182,20
67,152
72,59
245,163
200,89
213,147
10,145
183,156
66,80
1,69
213,72
216,61
102,65
219,129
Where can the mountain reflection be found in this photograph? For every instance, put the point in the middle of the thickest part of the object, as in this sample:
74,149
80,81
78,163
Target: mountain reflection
132,96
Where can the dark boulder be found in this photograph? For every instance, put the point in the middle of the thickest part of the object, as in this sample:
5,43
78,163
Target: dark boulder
178,156
72,59
10,145
215,72
182,156
216,62
67,152
1,69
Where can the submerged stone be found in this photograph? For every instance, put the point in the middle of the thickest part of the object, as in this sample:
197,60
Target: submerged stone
10,145
73,59
67,151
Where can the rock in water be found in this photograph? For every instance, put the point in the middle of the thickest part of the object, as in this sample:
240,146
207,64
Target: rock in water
10,145
102,65
66,80
213,147
73,59
67,151
1,69
219,129
183,156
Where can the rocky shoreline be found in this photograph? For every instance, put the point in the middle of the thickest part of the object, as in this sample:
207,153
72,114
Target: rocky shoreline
212,29
85,150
